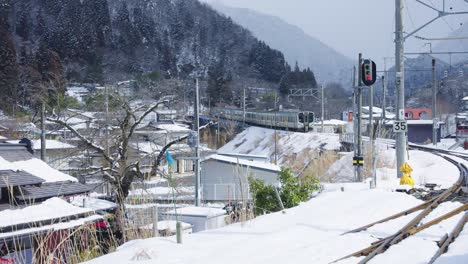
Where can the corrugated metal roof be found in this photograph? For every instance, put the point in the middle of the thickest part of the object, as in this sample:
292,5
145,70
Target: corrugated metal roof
10,178
52,190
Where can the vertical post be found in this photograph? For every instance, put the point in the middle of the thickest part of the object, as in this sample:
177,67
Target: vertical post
179,232
276,138
355,122
400,84
359,124
43,139
434,103
371,114
155,218
217,133
243,108
196,126
384,102
323,109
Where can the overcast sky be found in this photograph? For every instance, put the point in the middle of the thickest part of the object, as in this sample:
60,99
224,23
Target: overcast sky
353,26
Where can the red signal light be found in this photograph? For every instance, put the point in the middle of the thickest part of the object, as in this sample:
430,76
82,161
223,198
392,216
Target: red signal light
369,78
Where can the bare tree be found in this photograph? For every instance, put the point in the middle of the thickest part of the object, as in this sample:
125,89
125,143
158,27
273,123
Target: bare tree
120,172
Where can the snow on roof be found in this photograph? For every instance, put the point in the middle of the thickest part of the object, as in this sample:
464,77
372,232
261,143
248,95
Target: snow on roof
245,162
92,203
416,122
50,144
465,98
172,127
169,225
260,141
197,211
49,209
333,122
37,168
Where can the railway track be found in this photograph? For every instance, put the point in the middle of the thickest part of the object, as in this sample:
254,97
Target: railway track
413,227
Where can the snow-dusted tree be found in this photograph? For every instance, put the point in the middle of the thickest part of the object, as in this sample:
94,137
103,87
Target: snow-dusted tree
120,170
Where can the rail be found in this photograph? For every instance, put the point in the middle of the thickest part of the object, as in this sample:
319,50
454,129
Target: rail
412,227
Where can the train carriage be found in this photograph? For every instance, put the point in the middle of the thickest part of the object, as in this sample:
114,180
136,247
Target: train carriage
288,120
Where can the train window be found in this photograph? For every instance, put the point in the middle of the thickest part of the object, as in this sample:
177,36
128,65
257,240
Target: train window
301,118
311,117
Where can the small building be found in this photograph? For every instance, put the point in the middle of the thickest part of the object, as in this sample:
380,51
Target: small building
201,218
225,178
420,131
418,113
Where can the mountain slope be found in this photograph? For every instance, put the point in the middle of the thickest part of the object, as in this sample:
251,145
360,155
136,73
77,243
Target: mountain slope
104,41
327,64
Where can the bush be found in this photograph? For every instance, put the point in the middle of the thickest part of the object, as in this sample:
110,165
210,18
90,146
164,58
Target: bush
292,192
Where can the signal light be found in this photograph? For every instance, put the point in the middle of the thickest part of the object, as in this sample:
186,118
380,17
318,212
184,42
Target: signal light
369,72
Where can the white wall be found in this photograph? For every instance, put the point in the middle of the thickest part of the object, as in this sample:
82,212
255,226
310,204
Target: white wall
222,181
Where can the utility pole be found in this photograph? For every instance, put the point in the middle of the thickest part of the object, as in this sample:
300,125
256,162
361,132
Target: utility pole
400,85
384,100
371,114
355,122
434,103
359,124
43,139
401,138
196,126
243,108
323,108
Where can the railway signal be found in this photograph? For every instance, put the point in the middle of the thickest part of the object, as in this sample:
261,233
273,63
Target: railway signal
358,161
369,72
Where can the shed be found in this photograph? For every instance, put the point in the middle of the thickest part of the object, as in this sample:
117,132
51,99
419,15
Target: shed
420,131
201,218
226,178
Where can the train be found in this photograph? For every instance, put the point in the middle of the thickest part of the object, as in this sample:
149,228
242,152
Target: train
293,120
462,121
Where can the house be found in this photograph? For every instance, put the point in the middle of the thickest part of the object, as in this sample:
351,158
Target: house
47,228
28,180
57,152
226,178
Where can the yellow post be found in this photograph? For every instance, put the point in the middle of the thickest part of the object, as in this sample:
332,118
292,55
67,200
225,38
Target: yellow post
406,178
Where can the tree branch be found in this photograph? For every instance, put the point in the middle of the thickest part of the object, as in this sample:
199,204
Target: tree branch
88,143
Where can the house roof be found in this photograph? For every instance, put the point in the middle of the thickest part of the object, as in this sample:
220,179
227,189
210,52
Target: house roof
16,157
14,152
52,190
197,211
244,162
50,144
10,178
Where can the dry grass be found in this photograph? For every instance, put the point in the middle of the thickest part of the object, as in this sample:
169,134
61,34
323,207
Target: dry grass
320,165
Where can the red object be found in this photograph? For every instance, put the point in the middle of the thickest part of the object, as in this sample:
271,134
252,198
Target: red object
369,78
101,224
418,113
466,144
6,261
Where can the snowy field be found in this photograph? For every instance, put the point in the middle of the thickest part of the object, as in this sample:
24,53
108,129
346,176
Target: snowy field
311,232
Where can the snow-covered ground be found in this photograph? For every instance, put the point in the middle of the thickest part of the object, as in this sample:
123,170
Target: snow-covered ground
311,232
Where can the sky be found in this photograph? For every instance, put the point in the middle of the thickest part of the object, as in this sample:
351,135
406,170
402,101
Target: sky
366,26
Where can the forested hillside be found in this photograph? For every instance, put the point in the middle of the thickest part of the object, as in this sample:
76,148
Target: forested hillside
47,42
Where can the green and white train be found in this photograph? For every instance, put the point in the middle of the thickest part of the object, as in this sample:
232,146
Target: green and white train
286,119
